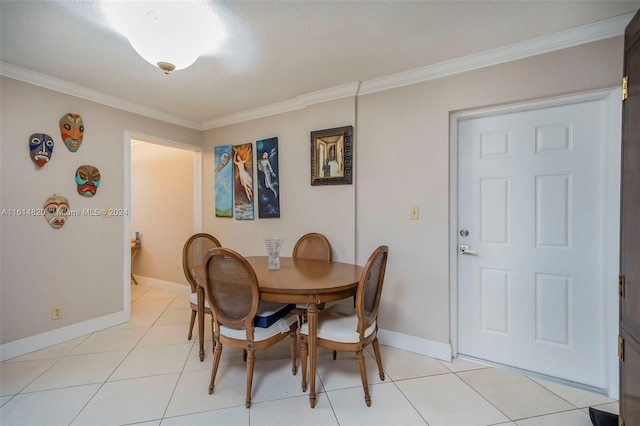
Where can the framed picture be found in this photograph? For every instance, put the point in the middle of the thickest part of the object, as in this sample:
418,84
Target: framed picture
332,156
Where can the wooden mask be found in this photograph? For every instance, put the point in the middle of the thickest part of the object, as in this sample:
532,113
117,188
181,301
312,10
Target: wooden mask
88,180
40,148
56,210
72,131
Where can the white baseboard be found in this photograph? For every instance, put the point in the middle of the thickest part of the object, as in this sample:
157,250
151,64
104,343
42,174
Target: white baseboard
40,341
53,337
163,285
418,345
24,346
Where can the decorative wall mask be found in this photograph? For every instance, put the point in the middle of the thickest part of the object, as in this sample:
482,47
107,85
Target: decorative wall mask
72,130
40,148
56,210
88,180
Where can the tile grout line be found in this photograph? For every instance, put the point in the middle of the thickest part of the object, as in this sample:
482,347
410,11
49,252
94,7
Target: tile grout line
123,359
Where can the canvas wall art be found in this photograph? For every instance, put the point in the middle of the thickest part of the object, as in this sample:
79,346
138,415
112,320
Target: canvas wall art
223,180
243,181
268,172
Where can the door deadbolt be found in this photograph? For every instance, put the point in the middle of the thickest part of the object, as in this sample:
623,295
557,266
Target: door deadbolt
464,233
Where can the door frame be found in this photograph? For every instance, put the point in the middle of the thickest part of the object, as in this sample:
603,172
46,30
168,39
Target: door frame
129,136
611,213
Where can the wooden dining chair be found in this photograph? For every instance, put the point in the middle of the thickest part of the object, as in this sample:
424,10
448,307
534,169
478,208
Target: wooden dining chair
231,287
193,253
313,246
341,328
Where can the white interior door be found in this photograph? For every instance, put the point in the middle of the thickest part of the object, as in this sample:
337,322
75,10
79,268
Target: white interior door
531,199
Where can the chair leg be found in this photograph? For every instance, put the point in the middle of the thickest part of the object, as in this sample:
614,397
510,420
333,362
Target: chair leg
250,361
376,351
334,353
192,322
304,350
213,334
217,354
294,348
363,375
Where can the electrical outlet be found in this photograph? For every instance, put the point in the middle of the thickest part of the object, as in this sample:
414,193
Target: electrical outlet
56,312
414,213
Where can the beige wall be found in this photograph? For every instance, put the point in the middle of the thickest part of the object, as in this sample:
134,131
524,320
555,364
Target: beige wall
303,208
162,202
81,265
402,159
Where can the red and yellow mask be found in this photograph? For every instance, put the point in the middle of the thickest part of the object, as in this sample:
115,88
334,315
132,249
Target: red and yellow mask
72,130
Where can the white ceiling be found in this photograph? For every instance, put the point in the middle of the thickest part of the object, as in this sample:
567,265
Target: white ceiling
282,52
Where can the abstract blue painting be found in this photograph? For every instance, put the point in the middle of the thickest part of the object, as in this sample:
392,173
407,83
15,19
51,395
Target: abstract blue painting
223,181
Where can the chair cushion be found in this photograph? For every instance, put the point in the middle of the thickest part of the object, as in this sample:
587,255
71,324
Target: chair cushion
338,324
282,325
270,312
194,299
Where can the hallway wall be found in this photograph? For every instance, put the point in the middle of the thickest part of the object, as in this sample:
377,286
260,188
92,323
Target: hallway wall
162,201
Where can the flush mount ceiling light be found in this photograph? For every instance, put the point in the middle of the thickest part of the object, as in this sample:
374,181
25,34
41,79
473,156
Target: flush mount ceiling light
170,35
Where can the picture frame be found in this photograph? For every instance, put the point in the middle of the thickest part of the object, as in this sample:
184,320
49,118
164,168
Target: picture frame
332,156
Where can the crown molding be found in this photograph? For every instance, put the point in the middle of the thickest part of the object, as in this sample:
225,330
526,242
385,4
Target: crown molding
581,35
574,37
253,114
42,80
299,102
339,92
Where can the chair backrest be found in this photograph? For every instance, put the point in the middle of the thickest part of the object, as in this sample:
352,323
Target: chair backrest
312,246
194,252
231,286
370,289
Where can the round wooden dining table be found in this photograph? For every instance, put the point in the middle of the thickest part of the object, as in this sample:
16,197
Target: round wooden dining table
300,281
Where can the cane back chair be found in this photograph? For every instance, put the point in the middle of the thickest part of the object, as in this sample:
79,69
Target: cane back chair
345,329
231,287
193,253
313,246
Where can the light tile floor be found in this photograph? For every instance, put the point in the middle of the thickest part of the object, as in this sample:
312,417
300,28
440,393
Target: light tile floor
146,372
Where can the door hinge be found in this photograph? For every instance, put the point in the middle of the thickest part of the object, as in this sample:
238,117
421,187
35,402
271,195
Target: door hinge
625,87
620,421
620,348
621,285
